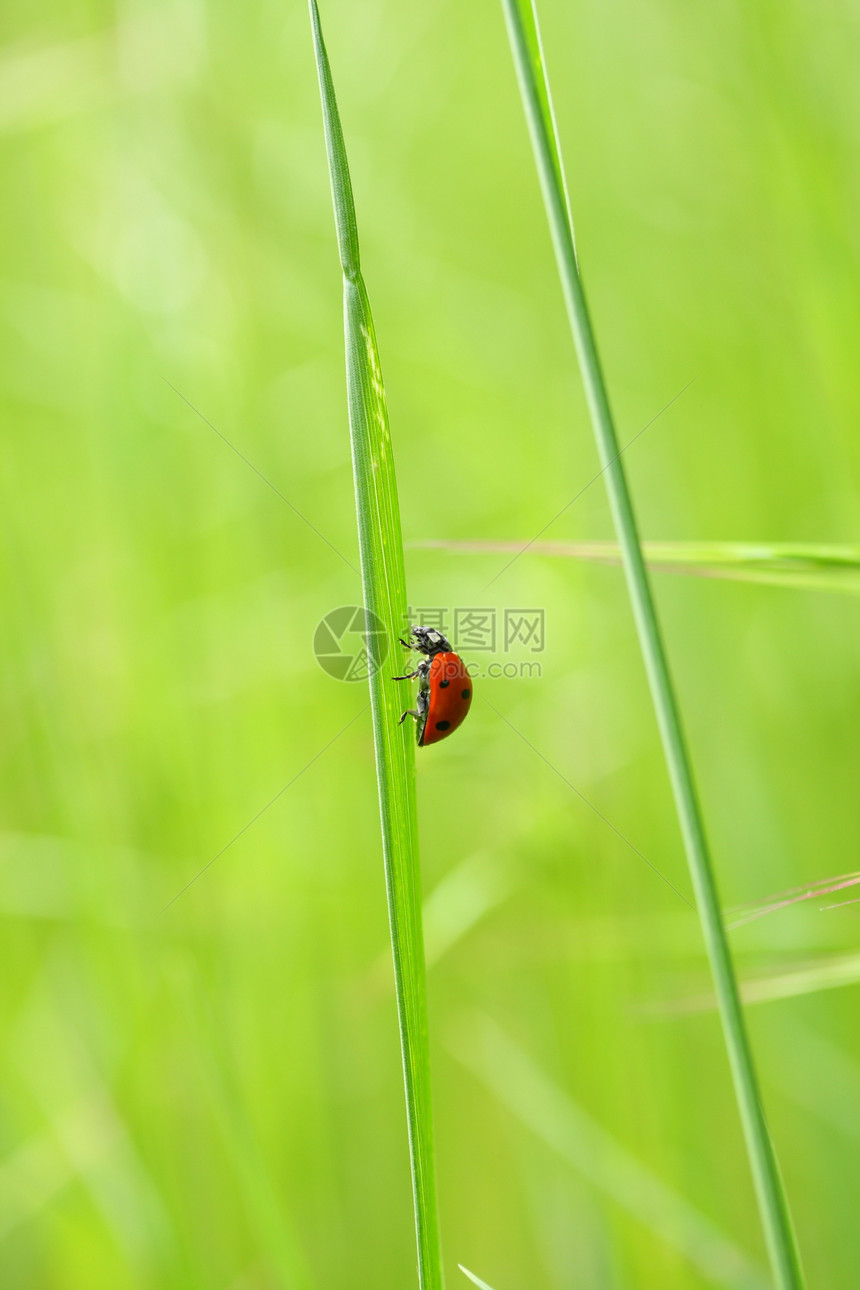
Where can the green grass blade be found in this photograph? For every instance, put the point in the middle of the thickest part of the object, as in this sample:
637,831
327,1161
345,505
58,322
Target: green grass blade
522,28
384,588
776,564
264,1206
569,1130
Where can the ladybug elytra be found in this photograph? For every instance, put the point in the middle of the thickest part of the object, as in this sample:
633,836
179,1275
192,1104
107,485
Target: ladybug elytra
444,687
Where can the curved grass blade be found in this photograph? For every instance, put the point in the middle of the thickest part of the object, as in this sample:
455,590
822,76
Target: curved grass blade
776,564
522,27
482,1285
383,581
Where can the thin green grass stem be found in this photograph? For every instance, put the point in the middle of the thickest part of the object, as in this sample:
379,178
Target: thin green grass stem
525,43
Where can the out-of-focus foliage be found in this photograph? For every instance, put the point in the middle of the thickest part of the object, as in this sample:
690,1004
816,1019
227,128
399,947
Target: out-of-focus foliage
208,1094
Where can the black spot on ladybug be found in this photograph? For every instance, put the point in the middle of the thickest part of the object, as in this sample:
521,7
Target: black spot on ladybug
443,725
465,694
442,684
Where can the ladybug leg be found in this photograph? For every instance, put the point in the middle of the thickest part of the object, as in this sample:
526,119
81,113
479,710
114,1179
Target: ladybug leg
410,676
410,712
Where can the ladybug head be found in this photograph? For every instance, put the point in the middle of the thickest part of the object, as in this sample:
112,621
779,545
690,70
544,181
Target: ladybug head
430,642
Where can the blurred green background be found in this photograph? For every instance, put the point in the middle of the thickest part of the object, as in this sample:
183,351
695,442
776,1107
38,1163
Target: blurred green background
208,1094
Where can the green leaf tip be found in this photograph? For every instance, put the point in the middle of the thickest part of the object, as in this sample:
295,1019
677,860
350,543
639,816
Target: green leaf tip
341,184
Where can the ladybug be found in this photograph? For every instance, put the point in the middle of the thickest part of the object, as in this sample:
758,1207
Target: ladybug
444,687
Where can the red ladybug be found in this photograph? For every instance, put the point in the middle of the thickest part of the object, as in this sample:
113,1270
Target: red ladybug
444,687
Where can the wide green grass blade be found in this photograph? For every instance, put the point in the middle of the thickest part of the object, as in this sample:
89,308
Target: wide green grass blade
523,33
384,587
775,564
